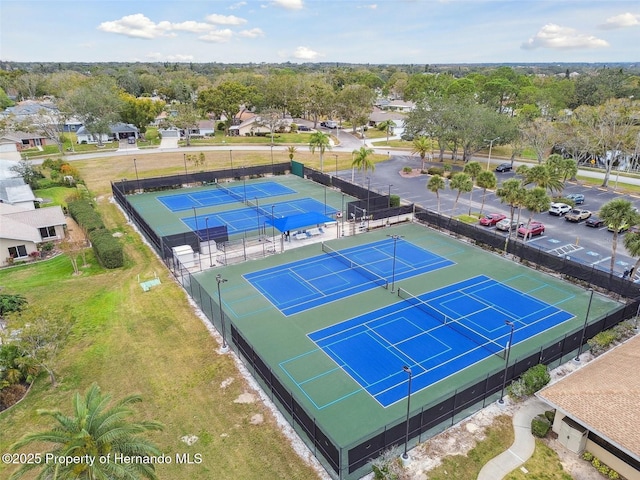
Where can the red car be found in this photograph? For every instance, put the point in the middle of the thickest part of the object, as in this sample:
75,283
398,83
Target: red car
535,228
490,219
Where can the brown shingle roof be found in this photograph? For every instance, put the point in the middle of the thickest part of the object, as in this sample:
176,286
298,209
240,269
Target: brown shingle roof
604,396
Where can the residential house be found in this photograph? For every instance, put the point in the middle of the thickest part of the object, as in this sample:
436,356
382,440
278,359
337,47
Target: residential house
597,408
393,105
25,140
21,231
249,127
202,129
14,191
119,131
379,116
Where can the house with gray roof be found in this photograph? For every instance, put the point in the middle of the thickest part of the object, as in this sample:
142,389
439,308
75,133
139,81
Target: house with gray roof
14,191
22,231
119,131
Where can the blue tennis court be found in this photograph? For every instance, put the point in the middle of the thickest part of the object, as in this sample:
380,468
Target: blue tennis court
462,324
257,216
220,195
299,286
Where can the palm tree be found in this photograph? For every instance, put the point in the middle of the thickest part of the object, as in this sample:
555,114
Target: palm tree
536,200
321,142
512,193
632,244
94,431
387,126
421,146
615,214
435,184
472,169
362,161
463,183
291,150
544,176
486,180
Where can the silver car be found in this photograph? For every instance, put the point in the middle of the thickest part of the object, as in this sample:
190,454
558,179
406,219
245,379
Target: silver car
504,225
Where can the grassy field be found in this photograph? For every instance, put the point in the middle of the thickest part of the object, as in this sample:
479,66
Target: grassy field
150,343
544,464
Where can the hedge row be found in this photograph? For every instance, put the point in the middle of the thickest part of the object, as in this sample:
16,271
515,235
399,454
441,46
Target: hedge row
107,249
85,215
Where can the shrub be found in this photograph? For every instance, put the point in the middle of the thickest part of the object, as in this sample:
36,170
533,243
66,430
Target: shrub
435,171
550,415
394,200
604,340
530,382
407,169
588,456
11,394
85,215
108,250
540,426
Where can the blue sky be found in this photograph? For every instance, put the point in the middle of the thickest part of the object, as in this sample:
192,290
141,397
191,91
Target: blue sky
376,31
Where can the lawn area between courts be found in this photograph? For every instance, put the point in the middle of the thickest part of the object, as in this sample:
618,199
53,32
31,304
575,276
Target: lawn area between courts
152,343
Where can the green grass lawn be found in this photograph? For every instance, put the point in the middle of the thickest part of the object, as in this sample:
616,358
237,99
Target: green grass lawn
55,195
544,464
151,343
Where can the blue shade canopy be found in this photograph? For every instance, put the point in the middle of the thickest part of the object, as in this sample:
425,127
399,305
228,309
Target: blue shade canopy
292,222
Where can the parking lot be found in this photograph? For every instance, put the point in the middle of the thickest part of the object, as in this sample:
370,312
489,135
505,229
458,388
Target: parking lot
587,245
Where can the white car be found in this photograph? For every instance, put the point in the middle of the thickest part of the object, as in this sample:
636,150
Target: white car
559,209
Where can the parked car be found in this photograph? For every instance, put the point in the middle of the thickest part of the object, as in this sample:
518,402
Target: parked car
623,228
304,128
506,223
577,215
559,209
504,167
634,229
535,228
329,124
490,219
578,198
595,222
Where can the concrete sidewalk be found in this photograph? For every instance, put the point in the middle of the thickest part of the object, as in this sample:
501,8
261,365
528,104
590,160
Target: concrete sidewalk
523,444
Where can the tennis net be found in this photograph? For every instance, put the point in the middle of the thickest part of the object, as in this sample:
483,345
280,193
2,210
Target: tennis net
455,324
361,269
259,209
232,194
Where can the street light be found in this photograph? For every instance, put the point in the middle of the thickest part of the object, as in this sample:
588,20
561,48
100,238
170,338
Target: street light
220,280
257,214
389,195
206,224
405,455
135,166
343,213
231,160
584,327
490,146
184,156
273,230
393,268
506,362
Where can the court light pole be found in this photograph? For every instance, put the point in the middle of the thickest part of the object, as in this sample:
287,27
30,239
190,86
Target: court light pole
206,225
368,192
506,362
393,268
405,455
271,158
220,280
231,160
135,166
490,146
336,155
343,213
273,229
584,327
184,156
389,206
257,214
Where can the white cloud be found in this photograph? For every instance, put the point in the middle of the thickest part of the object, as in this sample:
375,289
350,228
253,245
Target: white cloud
236,6
217,36
225,19
562,38
289,4
189,26
136,25
372,6
157,56
305,53
621,21
253,33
